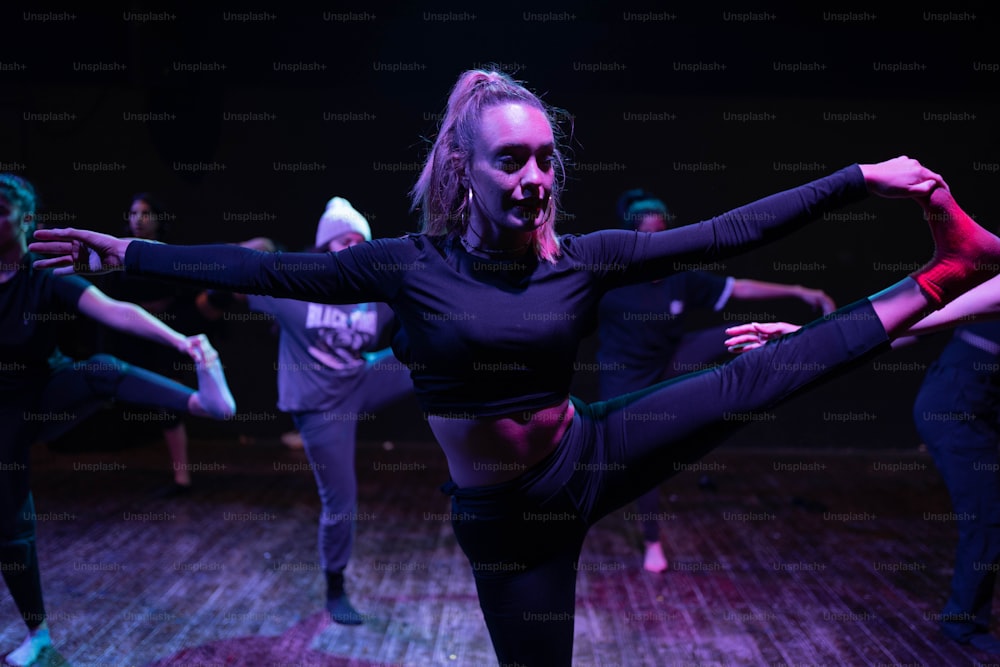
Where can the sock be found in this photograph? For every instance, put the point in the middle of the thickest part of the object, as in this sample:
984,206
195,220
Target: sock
337,604
213,390
31,647
965,254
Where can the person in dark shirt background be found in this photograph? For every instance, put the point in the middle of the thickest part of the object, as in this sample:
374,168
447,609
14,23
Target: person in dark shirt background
644,337
175,305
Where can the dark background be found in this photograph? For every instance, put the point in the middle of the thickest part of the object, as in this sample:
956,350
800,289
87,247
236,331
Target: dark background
823,89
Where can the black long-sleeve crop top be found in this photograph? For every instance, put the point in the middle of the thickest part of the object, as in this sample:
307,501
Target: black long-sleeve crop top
487,337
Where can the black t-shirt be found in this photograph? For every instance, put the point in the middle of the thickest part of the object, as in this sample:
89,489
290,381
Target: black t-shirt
643,324
35,306
641,327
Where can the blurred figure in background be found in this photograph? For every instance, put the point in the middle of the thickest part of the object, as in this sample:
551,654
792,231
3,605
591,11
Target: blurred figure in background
171,303
957,414
334,371
645,338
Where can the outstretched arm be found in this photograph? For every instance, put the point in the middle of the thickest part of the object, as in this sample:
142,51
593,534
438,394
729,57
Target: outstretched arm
212,304
981,303
128,317
649,256
751,290
370,271
978,304
213,397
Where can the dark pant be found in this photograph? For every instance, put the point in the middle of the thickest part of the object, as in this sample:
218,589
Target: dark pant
695,351
329,440
523,538
957,414
46,410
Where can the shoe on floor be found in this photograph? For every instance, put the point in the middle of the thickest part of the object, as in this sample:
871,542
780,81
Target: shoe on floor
341,611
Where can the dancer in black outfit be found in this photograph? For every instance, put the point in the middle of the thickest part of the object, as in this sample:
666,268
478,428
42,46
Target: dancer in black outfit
492,305
43,393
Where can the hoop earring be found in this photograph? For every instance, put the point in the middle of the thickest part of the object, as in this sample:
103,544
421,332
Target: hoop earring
467,210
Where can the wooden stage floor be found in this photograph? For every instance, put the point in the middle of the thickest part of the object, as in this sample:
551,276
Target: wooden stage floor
796,558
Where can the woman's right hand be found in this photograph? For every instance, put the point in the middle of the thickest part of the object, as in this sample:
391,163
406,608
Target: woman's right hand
79,251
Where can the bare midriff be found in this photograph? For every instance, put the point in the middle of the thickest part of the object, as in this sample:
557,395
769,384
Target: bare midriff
489,450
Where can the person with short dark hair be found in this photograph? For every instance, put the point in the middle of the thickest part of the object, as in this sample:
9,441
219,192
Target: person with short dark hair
644,338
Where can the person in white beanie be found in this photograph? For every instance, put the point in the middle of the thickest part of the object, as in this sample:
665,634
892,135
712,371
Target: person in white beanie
338,221
334,370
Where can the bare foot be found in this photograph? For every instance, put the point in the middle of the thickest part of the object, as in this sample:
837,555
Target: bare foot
654,561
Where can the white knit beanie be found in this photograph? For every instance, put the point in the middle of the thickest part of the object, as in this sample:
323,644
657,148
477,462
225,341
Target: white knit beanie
339,218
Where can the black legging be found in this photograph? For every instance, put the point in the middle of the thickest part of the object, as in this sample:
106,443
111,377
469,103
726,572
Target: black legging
957,414
46,410
523,538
